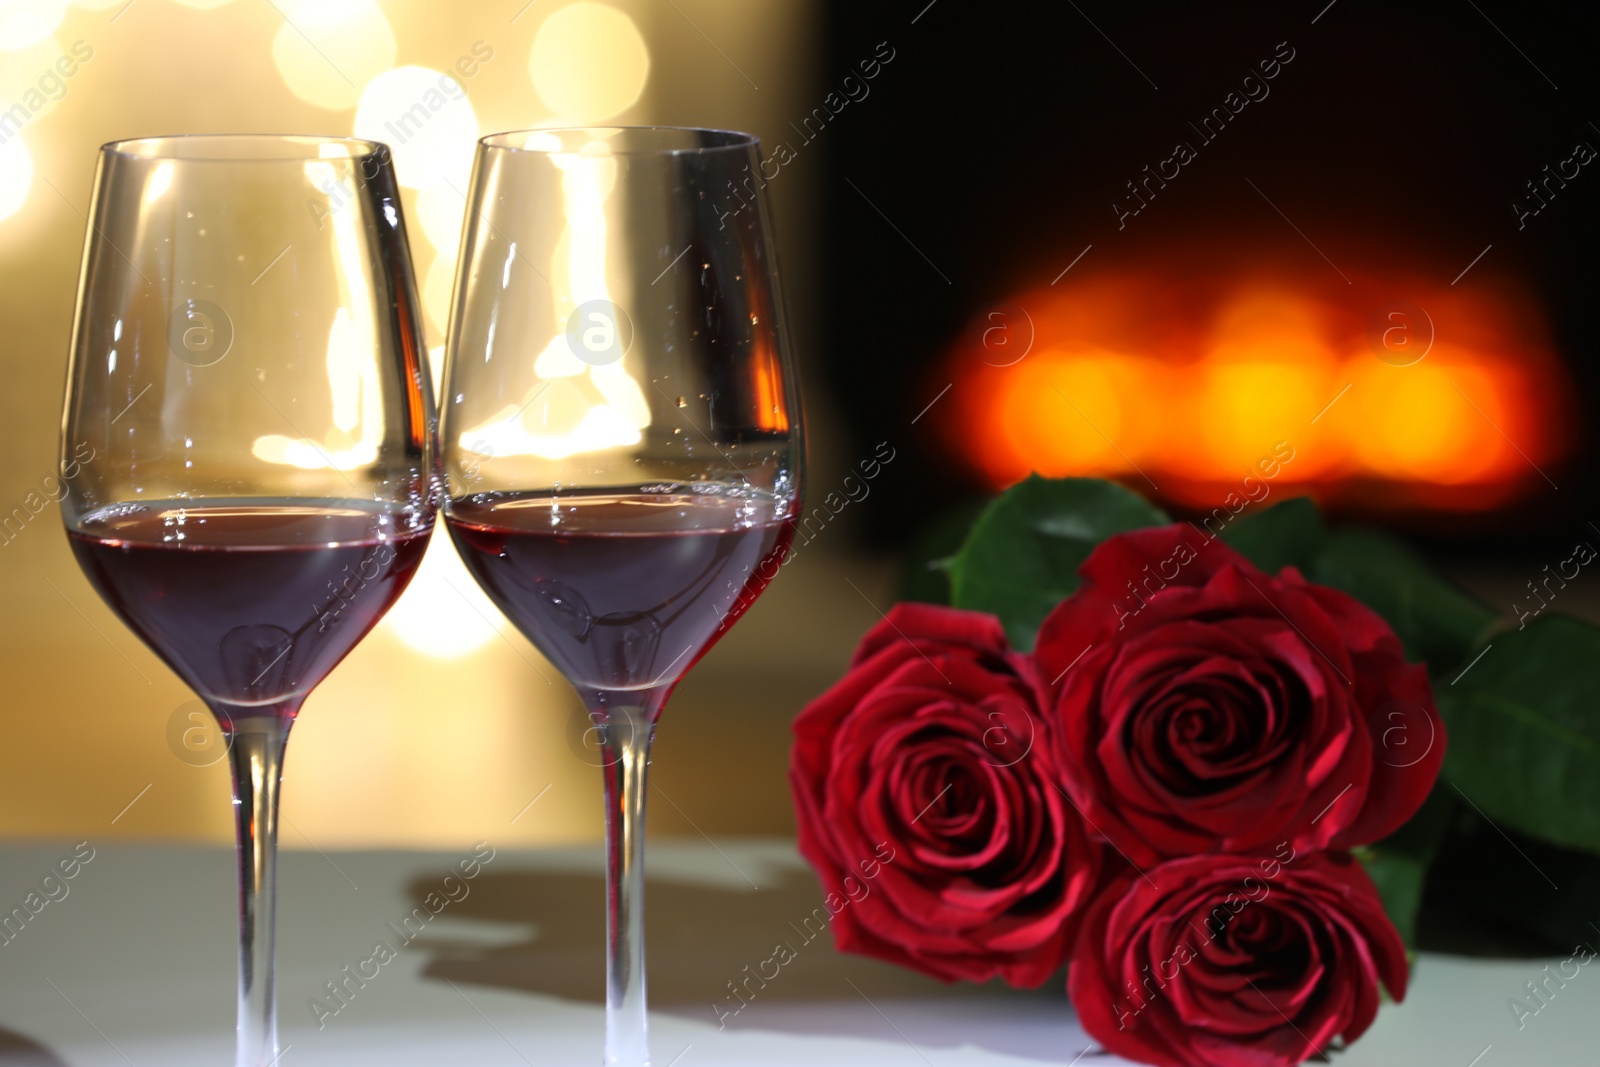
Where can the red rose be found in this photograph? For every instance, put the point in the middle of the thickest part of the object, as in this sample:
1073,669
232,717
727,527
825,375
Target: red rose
925,791
1233,961
1203,706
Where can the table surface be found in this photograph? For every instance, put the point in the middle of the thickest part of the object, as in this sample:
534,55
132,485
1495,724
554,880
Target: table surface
133,965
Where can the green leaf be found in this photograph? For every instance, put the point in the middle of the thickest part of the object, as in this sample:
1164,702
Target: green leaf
1524,726
922,570
1437,622
1399,879
1286,534
1399,863
1494,891
1023,555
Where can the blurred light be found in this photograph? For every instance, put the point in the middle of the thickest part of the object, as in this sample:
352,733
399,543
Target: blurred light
352,381
25,22
578,407
1264,321
102,5
323,12
20,73
32,86
426,120
308,455
1243,407
565,422
356,403
354,391
16,176
540,141
203,5
326,50
436,367
443,612
436,290
1064,410
350,244
1419,423
1196,381
440,209
589,62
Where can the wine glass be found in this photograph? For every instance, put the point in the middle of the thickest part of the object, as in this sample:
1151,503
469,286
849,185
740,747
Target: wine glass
622,436
248,443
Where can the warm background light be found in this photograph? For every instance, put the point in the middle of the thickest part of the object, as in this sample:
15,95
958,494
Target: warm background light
426,119
16,175
589,62
24,22
1181,383
327,49
439,209
444,614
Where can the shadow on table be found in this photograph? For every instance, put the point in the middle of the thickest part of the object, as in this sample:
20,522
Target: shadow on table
19,1051
701,939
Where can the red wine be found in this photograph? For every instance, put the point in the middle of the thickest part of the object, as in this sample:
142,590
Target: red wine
251,602
623,592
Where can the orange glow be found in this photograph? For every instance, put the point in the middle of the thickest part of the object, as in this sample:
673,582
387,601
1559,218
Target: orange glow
772,410
1245,407
1391,393
1067,411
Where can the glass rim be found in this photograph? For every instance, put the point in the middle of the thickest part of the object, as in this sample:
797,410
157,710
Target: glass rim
191,147
722,140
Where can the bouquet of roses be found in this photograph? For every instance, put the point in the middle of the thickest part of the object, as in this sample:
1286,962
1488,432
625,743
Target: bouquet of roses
1184,789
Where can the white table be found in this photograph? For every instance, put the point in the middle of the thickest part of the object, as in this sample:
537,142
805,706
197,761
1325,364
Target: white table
134,967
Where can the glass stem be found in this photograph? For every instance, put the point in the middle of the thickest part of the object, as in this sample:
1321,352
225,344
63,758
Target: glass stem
627,732
256,755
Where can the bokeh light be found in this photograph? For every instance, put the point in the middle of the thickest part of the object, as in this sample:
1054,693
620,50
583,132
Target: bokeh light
436,369
16,176
1193,380
325,52
439,210
444,613
30,79
1244,408
1420,423
436,289
25,22
202,5
427,121
1065,411
589,62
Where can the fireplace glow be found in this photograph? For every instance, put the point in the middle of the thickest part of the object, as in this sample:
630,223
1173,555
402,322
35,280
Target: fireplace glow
1397,393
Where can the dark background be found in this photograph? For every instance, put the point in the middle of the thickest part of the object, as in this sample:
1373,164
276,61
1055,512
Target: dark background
999,135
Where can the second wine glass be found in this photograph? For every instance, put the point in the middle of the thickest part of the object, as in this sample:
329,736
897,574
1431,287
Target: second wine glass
622,437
